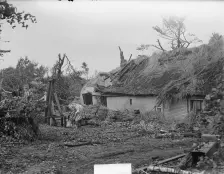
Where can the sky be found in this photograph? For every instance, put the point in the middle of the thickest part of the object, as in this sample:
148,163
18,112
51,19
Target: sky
92,31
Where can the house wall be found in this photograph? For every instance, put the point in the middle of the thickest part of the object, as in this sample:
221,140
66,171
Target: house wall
144,104
177,110
180,109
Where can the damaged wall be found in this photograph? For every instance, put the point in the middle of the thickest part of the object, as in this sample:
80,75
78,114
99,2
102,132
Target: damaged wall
179,110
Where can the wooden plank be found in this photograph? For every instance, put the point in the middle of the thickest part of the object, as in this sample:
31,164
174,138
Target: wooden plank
58,104
163,169
47,101
50,102
52,119
171,159
59,108
209,137
81,144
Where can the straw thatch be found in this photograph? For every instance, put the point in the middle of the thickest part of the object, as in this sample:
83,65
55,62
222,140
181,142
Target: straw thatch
201,73
171,75
142,76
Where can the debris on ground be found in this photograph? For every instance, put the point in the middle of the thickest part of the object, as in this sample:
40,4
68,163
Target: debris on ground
199,159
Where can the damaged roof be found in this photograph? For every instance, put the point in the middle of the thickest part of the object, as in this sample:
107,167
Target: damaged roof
139,77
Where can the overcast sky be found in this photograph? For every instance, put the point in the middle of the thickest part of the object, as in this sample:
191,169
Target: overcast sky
92,31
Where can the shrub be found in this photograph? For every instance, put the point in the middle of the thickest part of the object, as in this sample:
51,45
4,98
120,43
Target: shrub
22,123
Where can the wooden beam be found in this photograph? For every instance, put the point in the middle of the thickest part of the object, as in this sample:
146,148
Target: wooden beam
60,111
164,169
171,159
47,102
50,102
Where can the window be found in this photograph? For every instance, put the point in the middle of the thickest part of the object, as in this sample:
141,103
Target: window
130,101
159,108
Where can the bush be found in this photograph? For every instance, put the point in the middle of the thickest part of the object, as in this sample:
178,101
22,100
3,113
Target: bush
22,123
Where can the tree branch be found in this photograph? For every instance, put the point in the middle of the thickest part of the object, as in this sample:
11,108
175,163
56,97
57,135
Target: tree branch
5,51
160,45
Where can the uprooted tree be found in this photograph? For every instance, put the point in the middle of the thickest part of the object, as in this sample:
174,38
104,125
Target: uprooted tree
9,14
173,31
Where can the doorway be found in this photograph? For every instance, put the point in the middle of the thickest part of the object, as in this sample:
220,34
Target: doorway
196,105
87,98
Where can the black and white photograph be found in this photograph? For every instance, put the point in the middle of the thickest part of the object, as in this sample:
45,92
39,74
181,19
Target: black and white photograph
111,87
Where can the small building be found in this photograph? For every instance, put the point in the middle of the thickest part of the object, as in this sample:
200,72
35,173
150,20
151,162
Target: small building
89,94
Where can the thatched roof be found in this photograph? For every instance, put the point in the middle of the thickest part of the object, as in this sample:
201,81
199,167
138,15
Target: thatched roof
202,69
141,76
171,75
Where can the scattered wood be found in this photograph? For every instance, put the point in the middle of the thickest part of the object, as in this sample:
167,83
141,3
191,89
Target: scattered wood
209,137
105,155
60,111
207,149
165,170
47,102
190,134
171,159
185,161
81,144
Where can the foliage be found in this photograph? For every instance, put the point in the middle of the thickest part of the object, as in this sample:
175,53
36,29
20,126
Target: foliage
21,123
25,72
9,14
29,70
69,82
174,31
85,69
215,37
200,70
96,73
24,116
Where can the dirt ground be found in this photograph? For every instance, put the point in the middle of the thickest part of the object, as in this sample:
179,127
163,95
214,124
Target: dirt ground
111,144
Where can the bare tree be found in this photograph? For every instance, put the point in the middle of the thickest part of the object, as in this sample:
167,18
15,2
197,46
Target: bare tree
174,31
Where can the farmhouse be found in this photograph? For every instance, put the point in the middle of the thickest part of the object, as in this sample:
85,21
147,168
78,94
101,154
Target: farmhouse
173,82
136,86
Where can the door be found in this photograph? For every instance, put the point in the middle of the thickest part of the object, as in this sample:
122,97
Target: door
87,99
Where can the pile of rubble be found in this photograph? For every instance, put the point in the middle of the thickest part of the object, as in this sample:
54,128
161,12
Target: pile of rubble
98,115
207,156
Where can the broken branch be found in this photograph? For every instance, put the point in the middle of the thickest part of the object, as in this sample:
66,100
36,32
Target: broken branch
130,58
